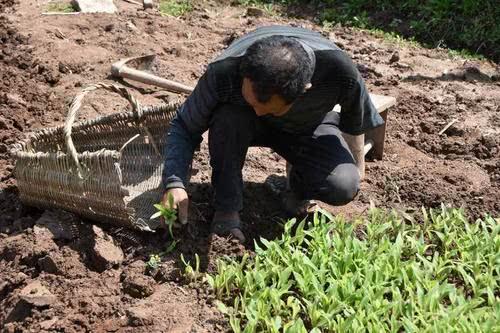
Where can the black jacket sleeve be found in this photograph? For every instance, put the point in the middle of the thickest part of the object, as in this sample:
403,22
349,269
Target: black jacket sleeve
185,130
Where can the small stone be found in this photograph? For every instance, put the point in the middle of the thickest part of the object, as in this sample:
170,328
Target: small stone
37,295
49,265
47,324
138,285
105,254
394,57
95,6
255,12
16,99
147,4
138,316
109,27
43,241
132,27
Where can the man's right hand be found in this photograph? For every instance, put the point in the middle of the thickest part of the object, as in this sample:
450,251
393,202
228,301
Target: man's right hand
181,203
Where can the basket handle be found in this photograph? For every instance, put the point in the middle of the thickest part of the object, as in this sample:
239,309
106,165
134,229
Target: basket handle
76,103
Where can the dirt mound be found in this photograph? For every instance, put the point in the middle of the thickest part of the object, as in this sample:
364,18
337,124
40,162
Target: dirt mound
26,101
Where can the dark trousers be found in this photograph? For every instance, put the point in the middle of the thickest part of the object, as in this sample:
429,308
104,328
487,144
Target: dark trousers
322,165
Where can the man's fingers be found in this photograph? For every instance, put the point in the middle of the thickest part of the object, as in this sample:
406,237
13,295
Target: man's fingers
183,210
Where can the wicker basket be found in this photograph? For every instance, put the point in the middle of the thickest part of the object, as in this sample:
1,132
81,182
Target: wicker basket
106,169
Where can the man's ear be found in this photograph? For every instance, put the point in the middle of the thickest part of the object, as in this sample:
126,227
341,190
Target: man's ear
307,87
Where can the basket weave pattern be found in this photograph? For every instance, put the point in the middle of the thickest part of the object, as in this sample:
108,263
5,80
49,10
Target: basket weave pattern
107,169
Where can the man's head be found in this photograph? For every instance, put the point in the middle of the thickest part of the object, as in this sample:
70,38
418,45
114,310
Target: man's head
275,70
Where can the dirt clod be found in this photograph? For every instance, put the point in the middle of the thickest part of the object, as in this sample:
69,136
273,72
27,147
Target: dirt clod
105,253
138,316
138,285
34,295
255,12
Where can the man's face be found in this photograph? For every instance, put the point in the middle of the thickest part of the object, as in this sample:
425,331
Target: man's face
276,106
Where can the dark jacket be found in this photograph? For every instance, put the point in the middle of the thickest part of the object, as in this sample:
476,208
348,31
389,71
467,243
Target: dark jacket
335,81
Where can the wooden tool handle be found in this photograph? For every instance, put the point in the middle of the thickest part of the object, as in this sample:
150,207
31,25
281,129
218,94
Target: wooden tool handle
140,76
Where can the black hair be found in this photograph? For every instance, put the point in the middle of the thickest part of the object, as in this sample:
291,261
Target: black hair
277,65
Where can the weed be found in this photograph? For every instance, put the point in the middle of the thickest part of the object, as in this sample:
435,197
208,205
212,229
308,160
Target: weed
153,262
393,37
192,274
465,54
175,7
169,214
60,7
439,274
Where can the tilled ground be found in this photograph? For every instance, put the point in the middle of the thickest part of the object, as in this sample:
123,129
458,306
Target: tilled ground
59,273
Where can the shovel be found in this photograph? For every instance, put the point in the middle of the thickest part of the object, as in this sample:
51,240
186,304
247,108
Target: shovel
122,69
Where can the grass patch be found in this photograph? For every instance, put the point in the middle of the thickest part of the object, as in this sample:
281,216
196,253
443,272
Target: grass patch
465,54
175,7
386,273
60,7
470,25
269,7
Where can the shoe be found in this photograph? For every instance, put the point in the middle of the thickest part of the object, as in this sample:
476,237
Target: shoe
228,228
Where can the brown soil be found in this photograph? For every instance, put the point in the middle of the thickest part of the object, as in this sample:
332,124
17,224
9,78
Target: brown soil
58,273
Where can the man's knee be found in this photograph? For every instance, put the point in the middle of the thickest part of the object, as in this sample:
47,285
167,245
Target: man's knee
342,185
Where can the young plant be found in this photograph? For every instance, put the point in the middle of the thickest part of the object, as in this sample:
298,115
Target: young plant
153,262
192,274
169,214
393,274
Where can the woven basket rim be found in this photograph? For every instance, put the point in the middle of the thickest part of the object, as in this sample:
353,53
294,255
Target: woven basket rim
18,149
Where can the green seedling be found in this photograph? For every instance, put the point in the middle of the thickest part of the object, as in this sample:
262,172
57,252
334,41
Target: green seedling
434,272
169,214
192,274
153,262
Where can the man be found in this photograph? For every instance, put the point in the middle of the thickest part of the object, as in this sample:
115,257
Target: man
275,87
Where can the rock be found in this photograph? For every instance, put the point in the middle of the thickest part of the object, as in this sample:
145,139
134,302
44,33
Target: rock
138,316
95,6
49,265
147,4
131,27
138,285
34,295
105,254
165,273
47,324
394,57
37,295
16,99
109,27
44,242
255,12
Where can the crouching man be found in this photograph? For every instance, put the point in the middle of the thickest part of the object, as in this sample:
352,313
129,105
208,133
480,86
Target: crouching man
275,87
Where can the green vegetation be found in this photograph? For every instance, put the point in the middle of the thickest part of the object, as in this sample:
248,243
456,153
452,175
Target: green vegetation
153,262
390,272
60,7
394,38
268,7
175,7
169,214
190,272
456,24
